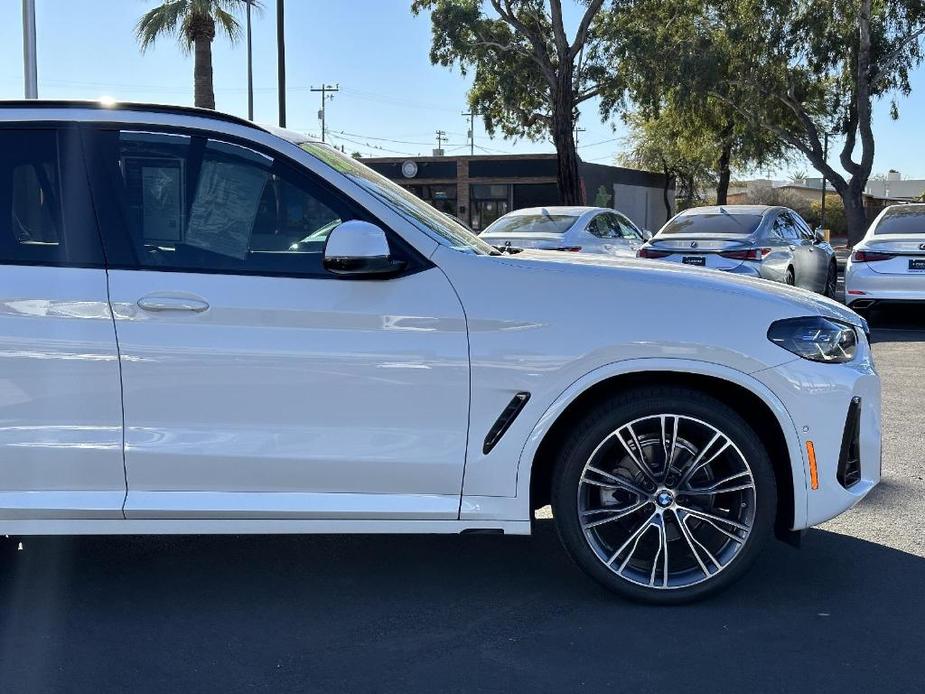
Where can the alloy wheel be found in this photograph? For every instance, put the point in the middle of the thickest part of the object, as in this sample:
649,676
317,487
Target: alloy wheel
666,501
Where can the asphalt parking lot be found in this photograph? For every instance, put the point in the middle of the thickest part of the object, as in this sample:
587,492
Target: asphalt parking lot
481,613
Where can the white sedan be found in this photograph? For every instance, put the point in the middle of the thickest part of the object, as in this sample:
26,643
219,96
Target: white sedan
888,265
182,355
573,229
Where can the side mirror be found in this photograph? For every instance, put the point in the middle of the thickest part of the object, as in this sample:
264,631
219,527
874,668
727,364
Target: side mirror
820,235
359,249
647,234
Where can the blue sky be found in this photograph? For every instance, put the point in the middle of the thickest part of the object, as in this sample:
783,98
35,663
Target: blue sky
375,49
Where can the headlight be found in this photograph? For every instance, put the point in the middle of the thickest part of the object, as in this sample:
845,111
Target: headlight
816,338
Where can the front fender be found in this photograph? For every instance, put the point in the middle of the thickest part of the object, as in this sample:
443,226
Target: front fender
747,381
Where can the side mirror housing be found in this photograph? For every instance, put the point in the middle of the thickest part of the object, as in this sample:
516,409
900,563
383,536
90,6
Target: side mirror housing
359,249
820,235
647,234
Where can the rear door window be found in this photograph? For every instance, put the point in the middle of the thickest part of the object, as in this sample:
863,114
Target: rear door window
627,229
604,226
45,216
786,229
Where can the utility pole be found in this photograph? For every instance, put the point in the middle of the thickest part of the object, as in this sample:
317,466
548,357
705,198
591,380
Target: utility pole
30,68
471,116
250,67
441,138
324,89
577,131
281,61
825,156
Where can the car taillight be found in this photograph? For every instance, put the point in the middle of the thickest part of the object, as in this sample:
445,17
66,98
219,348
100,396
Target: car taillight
747,254
870,256
651,253
568,249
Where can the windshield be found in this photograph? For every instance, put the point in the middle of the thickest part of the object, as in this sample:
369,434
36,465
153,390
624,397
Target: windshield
709,223
904,220
532,224
400,200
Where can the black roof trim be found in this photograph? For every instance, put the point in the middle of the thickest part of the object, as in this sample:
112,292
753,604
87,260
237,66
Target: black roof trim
131,106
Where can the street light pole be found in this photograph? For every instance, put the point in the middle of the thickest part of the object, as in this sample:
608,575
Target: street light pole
30,68
250,68
281,62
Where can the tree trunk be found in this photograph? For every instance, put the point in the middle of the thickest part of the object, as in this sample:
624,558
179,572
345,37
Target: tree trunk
204,94
855,214
563,137
567,174
723,174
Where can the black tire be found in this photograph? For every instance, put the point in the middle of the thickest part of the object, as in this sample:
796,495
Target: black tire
791,279
831,282
600,425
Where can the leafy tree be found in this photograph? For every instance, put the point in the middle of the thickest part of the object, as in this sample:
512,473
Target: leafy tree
529,76
603,197
668,145
194,23
799,69
661,53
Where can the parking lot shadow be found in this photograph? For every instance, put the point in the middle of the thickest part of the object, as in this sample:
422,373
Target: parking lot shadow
907,319
471,613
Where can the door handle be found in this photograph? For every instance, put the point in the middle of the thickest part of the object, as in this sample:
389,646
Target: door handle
793,248
172,303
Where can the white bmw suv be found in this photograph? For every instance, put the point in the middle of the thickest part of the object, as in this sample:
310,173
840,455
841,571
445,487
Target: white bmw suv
209,327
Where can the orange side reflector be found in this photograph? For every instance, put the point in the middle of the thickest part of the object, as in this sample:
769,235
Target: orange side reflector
813,475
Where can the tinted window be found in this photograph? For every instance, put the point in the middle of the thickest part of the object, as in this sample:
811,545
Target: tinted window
199,204
627,229
34,228
801,226
709,223
533,224
605,226
785,229
400,200
903,220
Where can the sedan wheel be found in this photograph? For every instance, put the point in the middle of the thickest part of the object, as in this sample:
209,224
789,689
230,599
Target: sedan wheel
831,282
668,499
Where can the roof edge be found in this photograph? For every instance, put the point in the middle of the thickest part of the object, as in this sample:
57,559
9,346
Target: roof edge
129,106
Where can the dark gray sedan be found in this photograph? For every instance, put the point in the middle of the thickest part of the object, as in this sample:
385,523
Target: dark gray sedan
770,242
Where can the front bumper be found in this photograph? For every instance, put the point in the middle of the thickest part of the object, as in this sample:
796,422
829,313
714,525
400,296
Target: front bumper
819,400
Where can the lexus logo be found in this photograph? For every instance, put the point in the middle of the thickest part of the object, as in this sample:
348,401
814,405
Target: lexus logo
922,246
694,244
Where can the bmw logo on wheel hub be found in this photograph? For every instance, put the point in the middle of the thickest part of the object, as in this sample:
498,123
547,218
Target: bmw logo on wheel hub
664,498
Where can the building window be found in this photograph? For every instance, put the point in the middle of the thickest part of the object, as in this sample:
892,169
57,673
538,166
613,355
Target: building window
487,203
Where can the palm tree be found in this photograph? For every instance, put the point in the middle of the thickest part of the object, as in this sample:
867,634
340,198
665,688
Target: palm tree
194,22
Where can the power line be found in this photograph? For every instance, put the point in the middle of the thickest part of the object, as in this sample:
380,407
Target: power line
602,142
370,146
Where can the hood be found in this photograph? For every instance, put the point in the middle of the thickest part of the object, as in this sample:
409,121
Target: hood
797,302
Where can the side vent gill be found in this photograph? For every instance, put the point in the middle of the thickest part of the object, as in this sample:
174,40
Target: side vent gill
504,421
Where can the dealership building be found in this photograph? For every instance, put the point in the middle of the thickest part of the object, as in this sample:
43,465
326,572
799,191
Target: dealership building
479,189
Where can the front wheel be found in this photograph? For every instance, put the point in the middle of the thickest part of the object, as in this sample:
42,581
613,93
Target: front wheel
831,281
664,495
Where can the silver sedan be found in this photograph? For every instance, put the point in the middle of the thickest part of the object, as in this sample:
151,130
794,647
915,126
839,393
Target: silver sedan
575,229
774,243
